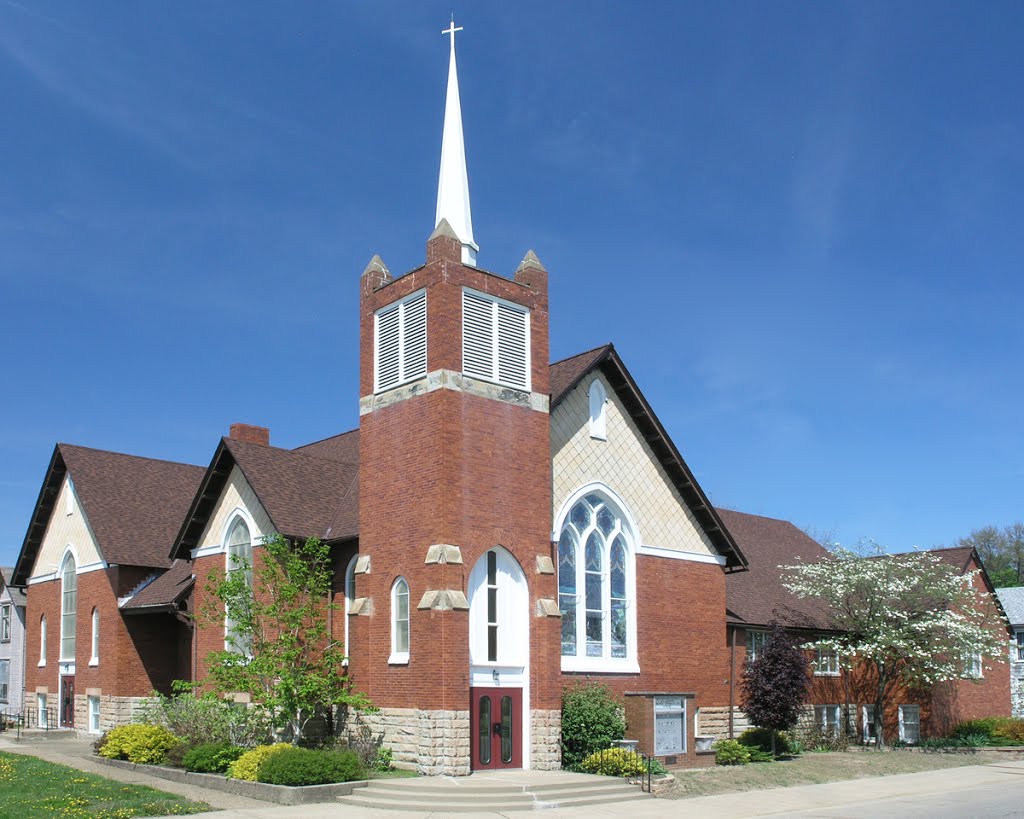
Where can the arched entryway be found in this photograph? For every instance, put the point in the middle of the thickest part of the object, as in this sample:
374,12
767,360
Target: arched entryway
499,656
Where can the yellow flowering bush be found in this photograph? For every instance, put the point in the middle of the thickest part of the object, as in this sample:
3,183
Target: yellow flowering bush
141,744
247,766
614,762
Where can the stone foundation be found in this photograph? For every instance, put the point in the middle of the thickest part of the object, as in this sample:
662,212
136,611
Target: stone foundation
714,722
546,740
429,742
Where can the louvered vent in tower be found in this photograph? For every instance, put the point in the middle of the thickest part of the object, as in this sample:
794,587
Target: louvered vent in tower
495,340
400,342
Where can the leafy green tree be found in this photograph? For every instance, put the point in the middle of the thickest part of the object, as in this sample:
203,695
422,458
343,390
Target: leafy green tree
592,718
1002,552
279,648
908,619
775,683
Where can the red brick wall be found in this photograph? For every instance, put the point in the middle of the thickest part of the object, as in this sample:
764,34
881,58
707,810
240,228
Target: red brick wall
455,468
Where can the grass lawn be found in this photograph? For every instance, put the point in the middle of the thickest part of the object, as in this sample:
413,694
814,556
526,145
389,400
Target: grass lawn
814,768
33,789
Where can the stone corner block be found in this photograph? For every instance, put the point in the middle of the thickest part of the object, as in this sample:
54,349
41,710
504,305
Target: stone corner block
545,565
362,565
361,606
444,553
547,608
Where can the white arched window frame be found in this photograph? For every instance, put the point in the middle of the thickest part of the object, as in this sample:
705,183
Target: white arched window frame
95,658
68,607
42,641
399,622
598,398
350,596
597,541
238,557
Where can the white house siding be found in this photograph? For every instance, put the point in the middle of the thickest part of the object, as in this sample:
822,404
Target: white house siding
626,463
237,494
63,530
15,652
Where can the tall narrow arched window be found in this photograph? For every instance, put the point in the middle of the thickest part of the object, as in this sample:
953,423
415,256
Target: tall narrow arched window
42,641
68,607
399,622
350,594
95,658
596,586
239,559
598,416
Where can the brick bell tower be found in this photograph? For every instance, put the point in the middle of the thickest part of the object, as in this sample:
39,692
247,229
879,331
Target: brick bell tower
455,632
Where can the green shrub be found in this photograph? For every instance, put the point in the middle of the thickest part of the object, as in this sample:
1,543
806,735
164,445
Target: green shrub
384,760
301,766
985,726
247,766
141,744
591,720
996,730
614,762
757,755
212,757
761,738
199,720
731,752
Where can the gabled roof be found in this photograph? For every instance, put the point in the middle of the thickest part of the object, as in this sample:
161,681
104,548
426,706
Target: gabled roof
1012,599
134,505
17,593
303,494
569,372
757,597
164,593
343,447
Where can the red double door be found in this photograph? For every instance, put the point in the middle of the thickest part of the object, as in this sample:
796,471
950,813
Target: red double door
496,717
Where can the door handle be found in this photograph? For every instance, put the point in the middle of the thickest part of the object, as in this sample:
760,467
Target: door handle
496,729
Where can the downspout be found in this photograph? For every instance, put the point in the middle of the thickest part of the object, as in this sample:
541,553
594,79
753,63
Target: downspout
732,677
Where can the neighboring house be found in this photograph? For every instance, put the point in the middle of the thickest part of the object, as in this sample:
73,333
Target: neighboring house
104,623
1012,599
838,700
12,644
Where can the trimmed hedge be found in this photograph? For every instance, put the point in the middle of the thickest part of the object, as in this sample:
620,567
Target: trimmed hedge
731,752
141,744
247,766
301,766
211,757
761,738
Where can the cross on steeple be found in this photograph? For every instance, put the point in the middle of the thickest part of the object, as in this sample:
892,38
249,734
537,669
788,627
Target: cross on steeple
451,30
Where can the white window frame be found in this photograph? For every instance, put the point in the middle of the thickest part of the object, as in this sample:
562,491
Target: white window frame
93,713
624,525
867,716
669,710
68,633
350,593
756,638
95,658
5,622
495,376
41,716
826,662
973,666
597,398
904,722
1019,634
69,497
42,641
5,680
404,376
231,555
399,654
821,717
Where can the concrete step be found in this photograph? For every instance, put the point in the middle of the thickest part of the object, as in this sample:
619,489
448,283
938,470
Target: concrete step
467,796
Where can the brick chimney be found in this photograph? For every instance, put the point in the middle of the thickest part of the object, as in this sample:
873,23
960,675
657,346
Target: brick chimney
250,434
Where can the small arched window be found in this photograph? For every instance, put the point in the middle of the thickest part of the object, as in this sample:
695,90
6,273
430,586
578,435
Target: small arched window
239,559
68,608
399,622
95,659
598,414
42,641
350,594
596,584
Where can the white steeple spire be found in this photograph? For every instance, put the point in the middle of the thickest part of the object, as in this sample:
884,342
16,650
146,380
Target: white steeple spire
453,181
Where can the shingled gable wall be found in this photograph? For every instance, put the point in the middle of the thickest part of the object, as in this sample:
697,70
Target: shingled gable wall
449,467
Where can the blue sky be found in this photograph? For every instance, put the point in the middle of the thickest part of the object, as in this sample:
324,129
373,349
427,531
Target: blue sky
800,224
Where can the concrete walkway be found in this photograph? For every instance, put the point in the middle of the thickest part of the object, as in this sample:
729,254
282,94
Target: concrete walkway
76,753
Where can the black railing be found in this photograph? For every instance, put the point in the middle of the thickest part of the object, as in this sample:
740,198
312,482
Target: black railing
34,718
623,759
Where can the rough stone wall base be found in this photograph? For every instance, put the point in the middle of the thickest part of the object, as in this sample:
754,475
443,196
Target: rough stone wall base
114,711
431,742
545,740
714,722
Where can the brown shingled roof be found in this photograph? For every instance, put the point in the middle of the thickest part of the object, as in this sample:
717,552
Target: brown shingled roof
165,592
567,373
757,596
343,447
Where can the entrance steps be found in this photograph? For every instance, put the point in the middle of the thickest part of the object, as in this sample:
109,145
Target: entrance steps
494,792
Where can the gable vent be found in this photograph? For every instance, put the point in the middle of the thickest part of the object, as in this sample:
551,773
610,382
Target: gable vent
400,342
495,340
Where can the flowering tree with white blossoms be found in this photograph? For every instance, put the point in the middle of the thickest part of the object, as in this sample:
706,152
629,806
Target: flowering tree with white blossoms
905,619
